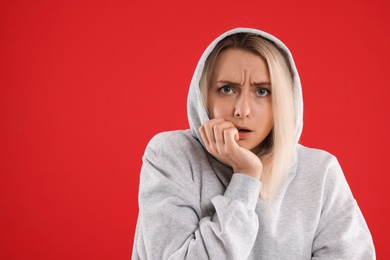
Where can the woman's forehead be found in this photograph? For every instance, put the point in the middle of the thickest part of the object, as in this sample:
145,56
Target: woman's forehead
234,64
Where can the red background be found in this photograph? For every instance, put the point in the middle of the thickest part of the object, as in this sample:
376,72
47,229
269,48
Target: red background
85,85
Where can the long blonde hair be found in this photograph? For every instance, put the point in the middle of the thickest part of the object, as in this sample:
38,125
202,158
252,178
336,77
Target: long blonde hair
277,149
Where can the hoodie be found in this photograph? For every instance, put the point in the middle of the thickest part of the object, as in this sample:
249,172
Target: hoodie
191,206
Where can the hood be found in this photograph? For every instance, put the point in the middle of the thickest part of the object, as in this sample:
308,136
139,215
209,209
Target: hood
197,112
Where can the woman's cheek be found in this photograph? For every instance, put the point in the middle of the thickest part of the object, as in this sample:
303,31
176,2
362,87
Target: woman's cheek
219,112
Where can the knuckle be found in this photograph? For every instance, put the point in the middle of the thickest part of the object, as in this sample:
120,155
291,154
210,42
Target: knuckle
227,124
230,130
216,129
230,124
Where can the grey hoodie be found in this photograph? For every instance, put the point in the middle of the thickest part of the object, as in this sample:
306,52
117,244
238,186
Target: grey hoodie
191,206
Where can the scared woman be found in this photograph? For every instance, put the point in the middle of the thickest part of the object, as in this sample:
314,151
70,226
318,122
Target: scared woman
238,185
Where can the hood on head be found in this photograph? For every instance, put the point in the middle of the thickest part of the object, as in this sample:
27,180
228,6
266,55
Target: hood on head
196,110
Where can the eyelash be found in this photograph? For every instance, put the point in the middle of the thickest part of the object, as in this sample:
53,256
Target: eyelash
268,92
221,90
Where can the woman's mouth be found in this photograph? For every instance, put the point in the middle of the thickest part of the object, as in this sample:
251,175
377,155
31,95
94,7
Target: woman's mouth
243,132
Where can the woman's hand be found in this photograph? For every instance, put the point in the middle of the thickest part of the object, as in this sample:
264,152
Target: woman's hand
220,138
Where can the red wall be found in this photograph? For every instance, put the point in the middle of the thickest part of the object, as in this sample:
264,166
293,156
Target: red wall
85,85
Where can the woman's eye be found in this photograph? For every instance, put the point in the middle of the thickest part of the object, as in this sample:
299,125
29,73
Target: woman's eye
226,90
262,92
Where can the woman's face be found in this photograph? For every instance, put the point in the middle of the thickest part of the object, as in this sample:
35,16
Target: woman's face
240,92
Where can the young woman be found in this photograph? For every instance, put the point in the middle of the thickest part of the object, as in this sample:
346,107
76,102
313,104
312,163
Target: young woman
237,185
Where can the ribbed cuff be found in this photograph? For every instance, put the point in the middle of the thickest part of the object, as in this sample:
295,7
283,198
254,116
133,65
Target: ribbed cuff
243,188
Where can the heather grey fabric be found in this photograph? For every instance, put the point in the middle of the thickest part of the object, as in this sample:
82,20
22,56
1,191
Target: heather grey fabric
194,207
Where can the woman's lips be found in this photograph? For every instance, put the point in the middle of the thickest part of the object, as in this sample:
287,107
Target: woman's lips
243,133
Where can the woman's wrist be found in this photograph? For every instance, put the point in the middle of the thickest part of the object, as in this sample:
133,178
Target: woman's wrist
254,172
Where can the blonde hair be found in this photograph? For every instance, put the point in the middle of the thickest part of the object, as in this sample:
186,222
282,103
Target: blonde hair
277,148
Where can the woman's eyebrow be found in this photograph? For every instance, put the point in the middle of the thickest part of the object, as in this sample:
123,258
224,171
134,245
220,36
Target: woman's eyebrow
227,82
266,83
261,83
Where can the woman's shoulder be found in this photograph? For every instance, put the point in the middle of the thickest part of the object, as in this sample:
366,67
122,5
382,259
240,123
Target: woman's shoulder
308,155
319,172
173,136
176,139
178,143
319,165
177,155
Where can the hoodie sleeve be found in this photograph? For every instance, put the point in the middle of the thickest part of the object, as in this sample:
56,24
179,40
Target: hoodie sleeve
170,223
342,232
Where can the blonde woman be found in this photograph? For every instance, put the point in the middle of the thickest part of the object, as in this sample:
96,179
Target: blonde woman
237,185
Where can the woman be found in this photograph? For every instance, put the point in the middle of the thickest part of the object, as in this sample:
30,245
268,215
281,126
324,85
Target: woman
237,185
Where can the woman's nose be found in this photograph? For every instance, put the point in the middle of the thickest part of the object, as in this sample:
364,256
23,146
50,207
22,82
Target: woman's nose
242,108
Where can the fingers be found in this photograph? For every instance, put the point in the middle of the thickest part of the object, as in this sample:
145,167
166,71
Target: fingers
220,139
219,134
203,135
231,137
207,134
214,137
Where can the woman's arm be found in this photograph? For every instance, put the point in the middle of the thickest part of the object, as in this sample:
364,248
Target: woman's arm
171,225
342,231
